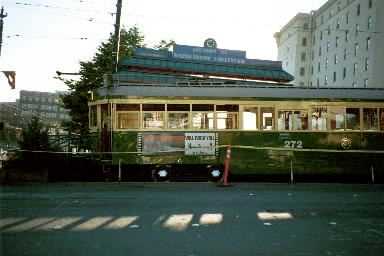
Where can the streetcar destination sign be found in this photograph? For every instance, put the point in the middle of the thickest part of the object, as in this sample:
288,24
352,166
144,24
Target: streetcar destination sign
200,143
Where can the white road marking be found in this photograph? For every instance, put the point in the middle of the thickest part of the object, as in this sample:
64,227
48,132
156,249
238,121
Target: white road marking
91,224
121,222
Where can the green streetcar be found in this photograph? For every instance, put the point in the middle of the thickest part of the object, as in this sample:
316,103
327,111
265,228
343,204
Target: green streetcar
322,134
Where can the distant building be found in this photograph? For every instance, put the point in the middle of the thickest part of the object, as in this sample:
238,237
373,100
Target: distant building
338,45
45,105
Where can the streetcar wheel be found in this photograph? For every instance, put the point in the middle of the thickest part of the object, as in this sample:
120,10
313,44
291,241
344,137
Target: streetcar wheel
161,174
215,173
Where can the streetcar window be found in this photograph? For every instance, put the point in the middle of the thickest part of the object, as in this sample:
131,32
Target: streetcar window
178,120
228,108
353,118
202,107
93,116
178,107
105,115
250,118
370,119
202,120
227,116
267,118
382,119
337,118
319,119
153,107
227,120
127,107
292,120
127,120
153,119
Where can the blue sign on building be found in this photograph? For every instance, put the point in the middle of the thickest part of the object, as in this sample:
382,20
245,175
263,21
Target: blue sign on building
209,54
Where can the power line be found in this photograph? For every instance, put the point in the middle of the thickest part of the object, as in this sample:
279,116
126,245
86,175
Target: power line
28,4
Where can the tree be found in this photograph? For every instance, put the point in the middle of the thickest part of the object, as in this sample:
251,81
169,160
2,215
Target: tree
35,136
92,76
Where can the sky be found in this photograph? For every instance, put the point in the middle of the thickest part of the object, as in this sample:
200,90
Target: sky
43,36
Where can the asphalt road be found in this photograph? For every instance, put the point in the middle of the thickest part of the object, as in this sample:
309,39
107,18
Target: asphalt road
191,219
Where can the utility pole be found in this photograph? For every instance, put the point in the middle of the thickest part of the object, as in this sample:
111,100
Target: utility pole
116,47
2,16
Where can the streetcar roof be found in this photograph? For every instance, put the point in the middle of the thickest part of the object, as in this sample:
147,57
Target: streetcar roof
238,91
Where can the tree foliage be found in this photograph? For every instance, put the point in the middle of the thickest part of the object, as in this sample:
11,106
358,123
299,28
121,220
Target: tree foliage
35,136
92,76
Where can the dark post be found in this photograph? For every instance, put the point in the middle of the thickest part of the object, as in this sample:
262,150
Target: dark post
116,47
2,16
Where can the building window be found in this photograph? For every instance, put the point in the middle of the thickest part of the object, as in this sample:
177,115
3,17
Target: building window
356,48
326,62
320,51
326,80
250,118
337,42
334,77
354,68
318,67
354,84
317,82
357,30
344,73
369,4
303,56
346,36
313,54
358,10
347,18
314,39
302,71
328,45
345,54
322,19
338,24
366,83
366,64
368,45
304,41
321,35
369,25
312,70
336,59
329,30
305,26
